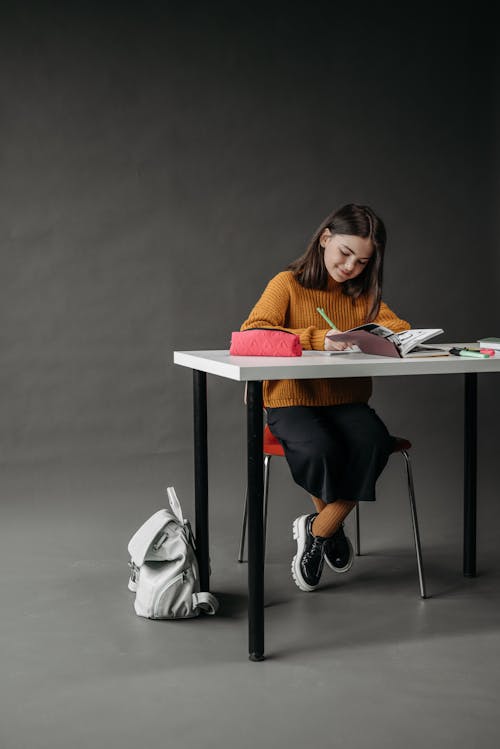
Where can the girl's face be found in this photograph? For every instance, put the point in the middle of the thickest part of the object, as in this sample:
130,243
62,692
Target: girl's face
346,255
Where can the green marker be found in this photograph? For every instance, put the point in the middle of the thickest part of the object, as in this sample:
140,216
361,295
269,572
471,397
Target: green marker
468,352
325,317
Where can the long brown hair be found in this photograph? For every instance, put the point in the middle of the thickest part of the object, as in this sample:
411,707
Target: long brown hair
361,221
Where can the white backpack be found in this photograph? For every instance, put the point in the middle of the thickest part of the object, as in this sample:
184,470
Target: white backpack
164,569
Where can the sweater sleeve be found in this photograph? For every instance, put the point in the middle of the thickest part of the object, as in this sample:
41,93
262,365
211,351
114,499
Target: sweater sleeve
389,319
271,312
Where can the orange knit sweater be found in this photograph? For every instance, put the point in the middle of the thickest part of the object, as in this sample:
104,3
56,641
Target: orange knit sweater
288,305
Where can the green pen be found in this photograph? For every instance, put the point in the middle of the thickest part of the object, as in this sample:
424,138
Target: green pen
325,317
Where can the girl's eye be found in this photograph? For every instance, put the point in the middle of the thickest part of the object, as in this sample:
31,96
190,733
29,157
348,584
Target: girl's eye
344,253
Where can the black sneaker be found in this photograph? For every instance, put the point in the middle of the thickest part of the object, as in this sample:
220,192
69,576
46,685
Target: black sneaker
339,554
307,564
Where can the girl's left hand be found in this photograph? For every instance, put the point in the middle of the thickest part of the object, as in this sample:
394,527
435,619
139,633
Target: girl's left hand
332,345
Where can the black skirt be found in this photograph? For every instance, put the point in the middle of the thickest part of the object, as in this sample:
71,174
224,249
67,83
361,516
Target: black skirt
334,452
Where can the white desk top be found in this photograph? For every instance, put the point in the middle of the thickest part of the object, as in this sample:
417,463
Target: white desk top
316,364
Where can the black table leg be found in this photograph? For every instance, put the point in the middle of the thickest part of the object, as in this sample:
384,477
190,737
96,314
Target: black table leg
255,524
470,474
201,476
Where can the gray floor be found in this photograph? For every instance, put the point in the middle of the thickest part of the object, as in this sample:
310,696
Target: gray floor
362,662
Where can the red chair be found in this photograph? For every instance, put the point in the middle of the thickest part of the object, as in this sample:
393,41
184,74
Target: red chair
273,447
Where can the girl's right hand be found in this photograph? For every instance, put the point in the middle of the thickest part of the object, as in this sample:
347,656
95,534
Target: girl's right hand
332,345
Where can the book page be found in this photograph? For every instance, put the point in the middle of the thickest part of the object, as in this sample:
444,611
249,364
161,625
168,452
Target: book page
408,339
427,351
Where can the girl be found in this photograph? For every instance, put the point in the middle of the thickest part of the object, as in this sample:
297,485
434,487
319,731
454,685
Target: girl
335,444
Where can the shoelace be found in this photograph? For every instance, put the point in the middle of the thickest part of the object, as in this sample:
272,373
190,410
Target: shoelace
315,550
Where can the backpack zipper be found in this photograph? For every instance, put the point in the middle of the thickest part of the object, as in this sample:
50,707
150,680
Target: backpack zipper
181,576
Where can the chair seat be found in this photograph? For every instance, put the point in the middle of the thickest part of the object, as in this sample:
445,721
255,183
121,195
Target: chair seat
401,444
272,445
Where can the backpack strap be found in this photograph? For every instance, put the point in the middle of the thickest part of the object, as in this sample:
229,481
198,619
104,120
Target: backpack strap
206,602
175,504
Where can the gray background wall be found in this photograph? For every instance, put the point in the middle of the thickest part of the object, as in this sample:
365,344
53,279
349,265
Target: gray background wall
161,161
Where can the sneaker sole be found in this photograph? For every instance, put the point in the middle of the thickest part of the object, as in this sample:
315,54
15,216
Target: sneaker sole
349,563
299,536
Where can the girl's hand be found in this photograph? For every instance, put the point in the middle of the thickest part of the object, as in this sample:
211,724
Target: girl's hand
331,345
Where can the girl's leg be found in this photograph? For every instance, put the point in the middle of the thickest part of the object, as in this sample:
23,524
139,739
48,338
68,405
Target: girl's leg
318,503
333,452
367,445
314,452
331,517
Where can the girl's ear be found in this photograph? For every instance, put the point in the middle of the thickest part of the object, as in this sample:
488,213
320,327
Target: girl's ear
325,236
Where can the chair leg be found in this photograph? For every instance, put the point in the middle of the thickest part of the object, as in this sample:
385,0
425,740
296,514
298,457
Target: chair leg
416,534
357,540
267,461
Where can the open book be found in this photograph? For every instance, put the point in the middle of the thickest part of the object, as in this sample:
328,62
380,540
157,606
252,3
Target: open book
375,339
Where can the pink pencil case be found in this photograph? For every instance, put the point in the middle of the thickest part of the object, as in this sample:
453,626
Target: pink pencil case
265,342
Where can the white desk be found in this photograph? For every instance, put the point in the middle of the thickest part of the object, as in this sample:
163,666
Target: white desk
311,365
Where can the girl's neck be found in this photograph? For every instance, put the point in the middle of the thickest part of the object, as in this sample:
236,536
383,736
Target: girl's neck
333,285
